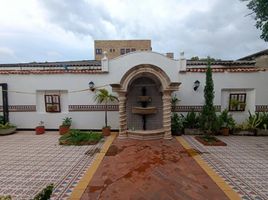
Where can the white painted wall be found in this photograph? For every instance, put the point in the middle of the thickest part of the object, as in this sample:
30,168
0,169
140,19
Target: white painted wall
256,85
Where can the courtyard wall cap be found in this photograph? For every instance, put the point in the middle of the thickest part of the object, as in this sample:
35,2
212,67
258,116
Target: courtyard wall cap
220,62
56,71
225,69
54,64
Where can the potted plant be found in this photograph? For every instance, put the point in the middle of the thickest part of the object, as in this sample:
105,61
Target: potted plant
253,122
7,128
65,127
103,96
40,129
226,122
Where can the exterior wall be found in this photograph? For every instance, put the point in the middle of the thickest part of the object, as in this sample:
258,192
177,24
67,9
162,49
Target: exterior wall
32,109
254,84
113,47
57,82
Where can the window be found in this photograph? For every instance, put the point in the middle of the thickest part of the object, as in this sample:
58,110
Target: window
133,49
112,50
122,51
237,102
98,51
52,103
127,50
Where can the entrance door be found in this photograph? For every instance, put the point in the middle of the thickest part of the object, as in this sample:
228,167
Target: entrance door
4,114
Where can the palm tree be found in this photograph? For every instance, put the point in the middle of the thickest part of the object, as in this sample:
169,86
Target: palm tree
103,96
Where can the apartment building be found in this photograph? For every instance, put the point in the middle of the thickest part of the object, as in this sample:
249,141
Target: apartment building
115,48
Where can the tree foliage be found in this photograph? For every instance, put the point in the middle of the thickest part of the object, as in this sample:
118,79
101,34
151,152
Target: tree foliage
208,119
260,8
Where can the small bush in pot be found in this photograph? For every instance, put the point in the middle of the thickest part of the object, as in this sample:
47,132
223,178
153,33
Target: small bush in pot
7,128
227,122
66,124
40,129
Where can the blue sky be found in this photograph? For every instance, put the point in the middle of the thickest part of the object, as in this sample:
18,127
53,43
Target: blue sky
54,30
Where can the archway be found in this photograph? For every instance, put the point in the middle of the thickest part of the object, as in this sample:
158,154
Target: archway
160,89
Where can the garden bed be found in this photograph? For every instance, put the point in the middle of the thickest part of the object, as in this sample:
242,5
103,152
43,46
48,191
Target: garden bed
210,141
76,137
7,131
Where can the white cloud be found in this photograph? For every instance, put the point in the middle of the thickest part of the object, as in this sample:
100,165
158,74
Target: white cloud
64,30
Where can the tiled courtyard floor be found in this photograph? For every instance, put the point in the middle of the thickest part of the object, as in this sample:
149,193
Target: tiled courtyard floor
29,162
150,170
243,163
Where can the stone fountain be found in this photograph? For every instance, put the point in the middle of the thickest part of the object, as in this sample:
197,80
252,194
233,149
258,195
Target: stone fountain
144,109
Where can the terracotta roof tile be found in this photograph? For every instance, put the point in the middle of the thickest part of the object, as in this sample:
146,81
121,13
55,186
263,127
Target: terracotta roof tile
236,69
57,71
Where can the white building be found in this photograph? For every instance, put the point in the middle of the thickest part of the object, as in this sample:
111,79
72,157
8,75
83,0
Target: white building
53,90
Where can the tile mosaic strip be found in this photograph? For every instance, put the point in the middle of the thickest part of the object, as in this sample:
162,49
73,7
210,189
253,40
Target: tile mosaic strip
78,108
20,108
81,108
261,108
192,108
242,163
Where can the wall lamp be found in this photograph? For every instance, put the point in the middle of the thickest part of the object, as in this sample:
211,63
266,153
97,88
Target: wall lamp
196,85
91,86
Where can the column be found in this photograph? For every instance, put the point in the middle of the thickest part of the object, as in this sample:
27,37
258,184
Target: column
122,116
167,114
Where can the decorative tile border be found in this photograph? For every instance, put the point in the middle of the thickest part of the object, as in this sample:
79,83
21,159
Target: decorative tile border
79,108
20,108
192,108
88,108
261,108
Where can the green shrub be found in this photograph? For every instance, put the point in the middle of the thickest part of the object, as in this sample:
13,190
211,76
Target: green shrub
5,197
191,120
226,120
209,121
45,193
254,121
67,121
7,125
77,137
177,123
2,121
264,120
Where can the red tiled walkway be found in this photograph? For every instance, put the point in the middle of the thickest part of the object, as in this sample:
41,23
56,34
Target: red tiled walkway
143,170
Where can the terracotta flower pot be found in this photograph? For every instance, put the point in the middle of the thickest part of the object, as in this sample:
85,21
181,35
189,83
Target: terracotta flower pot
106,131
225,131
64,129
40,130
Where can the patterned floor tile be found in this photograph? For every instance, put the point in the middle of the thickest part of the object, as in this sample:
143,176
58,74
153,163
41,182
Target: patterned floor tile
29,162
242,163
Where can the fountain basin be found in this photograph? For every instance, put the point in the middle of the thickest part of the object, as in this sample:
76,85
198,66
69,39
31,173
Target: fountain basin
144,111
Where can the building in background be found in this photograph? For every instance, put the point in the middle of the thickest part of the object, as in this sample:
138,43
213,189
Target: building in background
115,48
